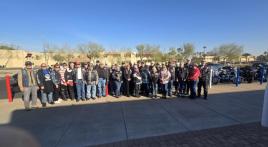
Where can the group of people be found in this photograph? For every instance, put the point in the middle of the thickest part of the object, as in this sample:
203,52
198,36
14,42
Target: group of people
86,81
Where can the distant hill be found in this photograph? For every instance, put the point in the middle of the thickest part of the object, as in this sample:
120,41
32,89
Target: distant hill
4,47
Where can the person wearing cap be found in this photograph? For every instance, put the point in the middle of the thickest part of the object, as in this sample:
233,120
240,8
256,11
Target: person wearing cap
103,77
92,81
79,75
56,78
203,79
44,81
28,85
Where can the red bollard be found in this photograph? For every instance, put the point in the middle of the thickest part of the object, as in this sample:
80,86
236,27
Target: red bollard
107,90
9,94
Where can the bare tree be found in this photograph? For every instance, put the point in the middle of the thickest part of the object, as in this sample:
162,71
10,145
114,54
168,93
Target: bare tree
91,50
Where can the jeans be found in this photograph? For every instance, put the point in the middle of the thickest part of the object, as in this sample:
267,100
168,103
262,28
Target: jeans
117,87
192,87
91,91
164,89
102,87
47,97
80,89
26,96
181,87
170,86
154,89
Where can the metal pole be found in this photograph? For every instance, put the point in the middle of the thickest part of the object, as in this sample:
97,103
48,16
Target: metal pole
210,78
264,120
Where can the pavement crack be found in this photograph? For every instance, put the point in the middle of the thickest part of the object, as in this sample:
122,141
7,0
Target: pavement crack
67,128
124,119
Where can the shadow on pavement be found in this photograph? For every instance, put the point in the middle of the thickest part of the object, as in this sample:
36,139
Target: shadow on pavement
99,123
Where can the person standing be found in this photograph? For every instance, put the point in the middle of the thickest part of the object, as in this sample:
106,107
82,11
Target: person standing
137,80
172,80
126,79
181,77
56,78
154,82
237,76
117,80
92,81
103,76
28,85
145,74
79,75
44,81
68,80
164,79
63,83
194,74
187,82
203,80
261,74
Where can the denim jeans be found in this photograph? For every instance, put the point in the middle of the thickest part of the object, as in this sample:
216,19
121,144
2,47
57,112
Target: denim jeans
102,87
192,88
91,91
170,87
154,89
80,89
47,97
26,96
164,89
117,87
181,87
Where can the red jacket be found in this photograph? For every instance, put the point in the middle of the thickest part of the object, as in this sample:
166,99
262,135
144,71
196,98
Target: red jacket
194,74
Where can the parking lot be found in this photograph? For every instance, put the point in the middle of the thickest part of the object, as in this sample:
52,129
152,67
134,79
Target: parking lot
109,119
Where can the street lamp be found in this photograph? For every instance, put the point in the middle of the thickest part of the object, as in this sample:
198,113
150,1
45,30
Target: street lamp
204,47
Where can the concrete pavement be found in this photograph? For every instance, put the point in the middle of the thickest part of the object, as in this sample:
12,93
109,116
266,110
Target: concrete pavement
109,119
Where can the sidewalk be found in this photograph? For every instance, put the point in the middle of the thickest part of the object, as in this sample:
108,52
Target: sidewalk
109,119
244,135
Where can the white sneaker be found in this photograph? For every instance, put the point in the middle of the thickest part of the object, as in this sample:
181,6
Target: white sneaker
58,101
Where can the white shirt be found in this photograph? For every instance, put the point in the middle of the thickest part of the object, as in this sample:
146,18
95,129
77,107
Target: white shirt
79,73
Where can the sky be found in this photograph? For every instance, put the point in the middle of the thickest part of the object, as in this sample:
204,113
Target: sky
118,24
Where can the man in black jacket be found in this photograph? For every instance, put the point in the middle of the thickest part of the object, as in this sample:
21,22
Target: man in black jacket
126,79
103,76
203,80
181,77
117,80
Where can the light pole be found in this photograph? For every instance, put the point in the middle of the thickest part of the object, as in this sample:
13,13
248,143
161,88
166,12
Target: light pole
204,47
